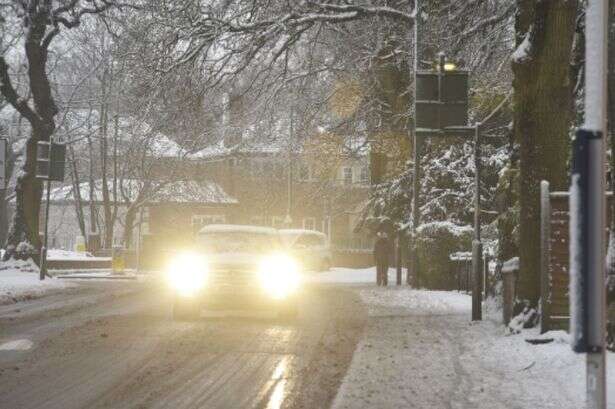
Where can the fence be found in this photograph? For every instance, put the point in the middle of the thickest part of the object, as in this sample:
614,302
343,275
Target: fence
554,265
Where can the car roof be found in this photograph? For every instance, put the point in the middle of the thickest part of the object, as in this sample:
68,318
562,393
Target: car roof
237,228
299,232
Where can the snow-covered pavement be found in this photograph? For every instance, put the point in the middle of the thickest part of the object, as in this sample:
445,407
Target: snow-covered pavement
19,280
420,350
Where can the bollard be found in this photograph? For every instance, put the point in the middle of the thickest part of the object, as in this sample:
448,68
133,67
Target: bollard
477,281
508,296
117,260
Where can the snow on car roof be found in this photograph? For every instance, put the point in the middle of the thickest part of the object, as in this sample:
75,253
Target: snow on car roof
227,228
298,232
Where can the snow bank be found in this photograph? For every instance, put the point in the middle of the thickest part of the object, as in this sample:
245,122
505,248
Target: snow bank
19,280
57,254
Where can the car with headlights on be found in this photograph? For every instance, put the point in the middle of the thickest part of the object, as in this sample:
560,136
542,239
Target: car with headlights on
234,267
309,247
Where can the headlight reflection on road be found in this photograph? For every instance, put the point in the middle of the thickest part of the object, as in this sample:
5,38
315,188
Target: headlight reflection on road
279,390
279,275
187,273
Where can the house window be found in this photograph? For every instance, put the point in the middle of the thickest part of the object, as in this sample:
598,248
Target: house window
309,223
365,175
347,175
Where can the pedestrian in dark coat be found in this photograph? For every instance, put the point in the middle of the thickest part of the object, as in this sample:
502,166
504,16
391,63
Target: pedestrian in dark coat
382,252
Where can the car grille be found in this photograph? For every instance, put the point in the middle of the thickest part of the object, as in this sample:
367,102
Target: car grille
232,279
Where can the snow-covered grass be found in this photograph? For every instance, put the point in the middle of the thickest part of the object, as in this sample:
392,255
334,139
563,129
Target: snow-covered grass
19,280
58,254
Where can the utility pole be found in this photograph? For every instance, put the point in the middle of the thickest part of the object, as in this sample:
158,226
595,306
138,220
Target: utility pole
416,184
477,246
587,212
4,149
288,220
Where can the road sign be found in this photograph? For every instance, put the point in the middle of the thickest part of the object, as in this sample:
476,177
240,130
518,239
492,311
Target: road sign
4,143
50,161
441,99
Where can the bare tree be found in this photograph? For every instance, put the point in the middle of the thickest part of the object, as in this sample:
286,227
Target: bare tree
41,22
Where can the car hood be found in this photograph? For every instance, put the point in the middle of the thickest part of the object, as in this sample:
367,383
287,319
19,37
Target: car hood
234,261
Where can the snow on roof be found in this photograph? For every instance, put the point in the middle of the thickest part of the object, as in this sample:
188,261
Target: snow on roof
130,132
237,228
299,232
354,146
261,146
173,192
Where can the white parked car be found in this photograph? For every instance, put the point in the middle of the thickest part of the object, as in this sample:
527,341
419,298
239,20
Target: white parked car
309,247
234,267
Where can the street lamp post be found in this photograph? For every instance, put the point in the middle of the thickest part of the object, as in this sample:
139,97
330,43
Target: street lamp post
477,246
587,212
416,156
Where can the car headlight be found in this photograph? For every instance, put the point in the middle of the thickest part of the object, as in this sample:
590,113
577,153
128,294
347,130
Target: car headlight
279,276
187,273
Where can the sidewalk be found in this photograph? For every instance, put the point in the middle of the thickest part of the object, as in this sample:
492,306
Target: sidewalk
420,350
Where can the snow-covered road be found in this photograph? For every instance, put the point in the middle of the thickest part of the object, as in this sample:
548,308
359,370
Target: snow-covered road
414,349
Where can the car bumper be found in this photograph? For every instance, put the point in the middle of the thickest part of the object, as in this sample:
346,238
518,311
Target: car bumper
222,300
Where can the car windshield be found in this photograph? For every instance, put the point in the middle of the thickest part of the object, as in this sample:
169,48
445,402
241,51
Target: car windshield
307,241
237,242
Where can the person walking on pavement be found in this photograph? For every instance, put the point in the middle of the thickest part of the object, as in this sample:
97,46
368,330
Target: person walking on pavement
382,251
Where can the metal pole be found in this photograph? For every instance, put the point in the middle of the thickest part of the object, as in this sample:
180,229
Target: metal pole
399,256
477,247
139,232
596,40
43,267
288,219
416,186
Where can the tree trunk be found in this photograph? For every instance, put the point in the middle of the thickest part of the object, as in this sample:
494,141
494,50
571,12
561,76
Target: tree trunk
129,223
542,117
4,198
23,240
77,195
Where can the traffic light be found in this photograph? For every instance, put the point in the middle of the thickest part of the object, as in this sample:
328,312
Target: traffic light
3,164
50,161
441,99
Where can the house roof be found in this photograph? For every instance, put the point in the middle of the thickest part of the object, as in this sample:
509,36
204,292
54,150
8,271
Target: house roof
131,132
205,192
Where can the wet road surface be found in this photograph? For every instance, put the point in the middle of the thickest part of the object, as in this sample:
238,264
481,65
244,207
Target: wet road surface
115,345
